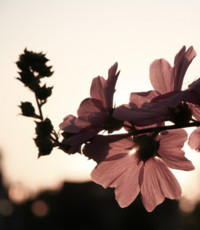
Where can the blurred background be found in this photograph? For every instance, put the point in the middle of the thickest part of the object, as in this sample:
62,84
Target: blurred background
82,39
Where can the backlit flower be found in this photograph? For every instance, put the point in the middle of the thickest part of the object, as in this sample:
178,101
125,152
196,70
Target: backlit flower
94,113
139,164
159,105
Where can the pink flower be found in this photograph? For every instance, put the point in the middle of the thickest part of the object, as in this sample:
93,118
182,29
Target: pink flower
139,164
159,105
94,113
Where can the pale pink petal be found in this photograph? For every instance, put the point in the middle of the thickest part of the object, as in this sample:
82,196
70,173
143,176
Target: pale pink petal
178,64
157,183
72,124
181,63
194,140
161,76
107,172
175,138
170,149
150,187
103,90
110,87
97,90
120,145
90,113
92,110
122,174
128,188
140,98
111,73
176,161
88,106
120,169
164,78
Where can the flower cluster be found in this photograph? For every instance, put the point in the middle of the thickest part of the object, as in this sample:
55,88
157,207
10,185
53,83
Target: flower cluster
33,69
139,159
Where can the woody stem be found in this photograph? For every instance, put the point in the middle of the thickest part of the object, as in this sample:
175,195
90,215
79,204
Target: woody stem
39,107
159,129
169,127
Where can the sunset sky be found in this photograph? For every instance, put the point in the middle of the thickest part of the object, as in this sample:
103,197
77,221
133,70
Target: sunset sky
82,39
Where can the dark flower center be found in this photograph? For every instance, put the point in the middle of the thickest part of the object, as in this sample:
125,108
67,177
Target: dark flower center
112,124
181,114
146,147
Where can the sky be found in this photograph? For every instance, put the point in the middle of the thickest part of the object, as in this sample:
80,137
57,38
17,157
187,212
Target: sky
82,39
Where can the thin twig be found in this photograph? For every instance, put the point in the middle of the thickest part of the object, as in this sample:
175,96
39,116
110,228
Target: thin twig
39,107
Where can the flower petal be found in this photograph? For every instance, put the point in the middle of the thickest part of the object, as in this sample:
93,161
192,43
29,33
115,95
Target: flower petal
119,168
164,78
74,142
149,113
177,161
175,138
194,140
93,111
127,187
157,183
97,89
122,174
103,90
73,124
111,82
181,63
170,150
161,76
139,99
88,106
101,146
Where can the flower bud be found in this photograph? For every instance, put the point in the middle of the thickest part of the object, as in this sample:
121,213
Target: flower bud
27,109
43,92
22,66
45,71
44,145
44,128
28,79
30,57
35,62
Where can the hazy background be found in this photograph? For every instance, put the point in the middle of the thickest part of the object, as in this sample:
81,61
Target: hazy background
82,39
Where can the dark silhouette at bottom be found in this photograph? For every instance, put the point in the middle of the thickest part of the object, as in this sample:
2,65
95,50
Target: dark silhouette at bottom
88,206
